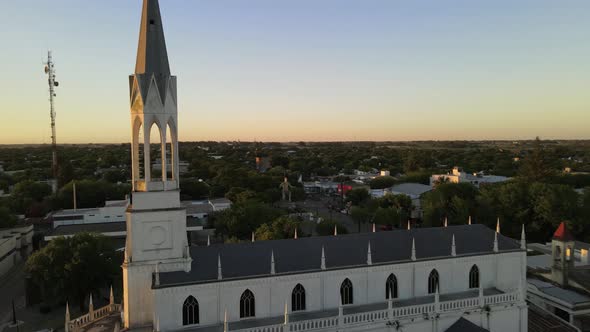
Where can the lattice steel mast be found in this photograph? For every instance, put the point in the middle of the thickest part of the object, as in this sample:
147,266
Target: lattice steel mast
50,71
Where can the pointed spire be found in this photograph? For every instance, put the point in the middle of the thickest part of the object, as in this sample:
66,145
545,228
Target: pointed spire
286,313
498,225
373,227
208,240
219,274
253,238
446,222
225,329
436,295
496,242
272,262
91,308
295,236
369,258
480,294
335,230
408,225
523,239
413,249
67,323
323,263
111,296
453,247
469,221
152,57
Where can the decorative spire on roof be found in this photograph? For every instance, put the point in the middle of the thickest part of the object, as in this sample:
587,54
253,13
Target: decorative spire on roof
335,230
453,247
562,233
469,221
272,262
225,329
90,306
295,236
498,225
67,325
369,258
522,238
219,274
152,57
408,225
286,313
496,242
446,222
413,249
111,296
436,299
323,263
208,240
373,227
253,238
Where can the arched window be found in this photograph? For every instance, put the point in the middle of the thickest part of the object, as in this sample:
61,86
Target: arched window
190,311
346,291
474,277
298,298
391,287
247,305
432,282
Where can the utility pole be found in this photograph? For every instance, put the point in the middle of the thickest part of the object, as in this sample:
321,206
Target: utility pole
50,71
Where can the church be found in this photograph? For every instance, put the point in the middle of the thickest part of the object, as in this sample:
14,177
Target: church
456,278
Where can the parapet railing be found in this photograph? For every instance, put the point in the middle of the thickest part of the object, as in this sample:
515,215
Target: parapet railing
92,316
388,314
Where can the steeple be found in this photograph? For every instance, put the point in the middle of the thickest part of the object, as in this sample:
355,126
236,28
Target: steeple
152,57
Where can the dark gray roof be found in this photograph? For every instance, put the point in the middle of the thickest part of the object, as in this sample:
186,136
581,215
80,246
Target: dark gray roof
106,227
252,259
152,57
463,325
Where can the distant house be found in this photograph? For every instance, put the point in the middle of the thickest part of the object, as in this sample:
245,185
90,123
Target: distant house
113,211
15,245
459,176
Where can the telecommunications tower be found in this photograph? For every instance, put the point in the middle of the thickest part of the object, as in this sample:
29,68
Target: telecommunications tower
50,71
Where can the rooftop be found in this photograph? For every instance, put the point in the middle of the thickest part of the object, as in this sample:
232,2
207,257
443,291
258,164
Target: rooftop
253,259
563,294
411,189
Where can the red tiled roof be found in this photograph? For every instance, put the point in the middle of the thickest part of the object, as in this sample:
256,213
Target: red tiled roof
562,233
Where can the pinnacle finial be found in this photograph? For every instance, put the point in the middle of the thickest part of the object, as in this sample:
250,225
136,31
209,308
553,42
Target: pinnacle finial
67,318
498,225
522,238
295,236
323,262
90,306
225,329
253,237
413,249
408,225
469,221
453,247
496,242
373,227
286,313
446,221
219,274
111,296
335,230
369,257
208,240
272,262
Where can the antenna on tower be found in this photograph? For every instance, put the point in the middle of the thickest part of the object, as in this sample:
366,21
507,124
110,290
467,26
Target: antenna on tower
50,71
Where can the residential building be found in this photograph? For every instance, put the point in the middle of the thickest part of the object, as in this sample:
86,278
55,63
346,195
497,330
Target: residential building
16,243
457,175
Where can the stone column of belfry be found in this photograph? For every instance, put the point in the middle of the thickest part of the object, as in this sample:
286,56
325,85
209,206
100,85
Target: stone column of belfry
156,241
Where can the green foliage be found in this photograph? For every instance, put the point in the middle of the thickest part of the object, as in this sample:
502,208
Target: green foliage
27,197
536,166
281,228
72,268
89,194
382,182
358,196
192,189
243,218
7,219
454,201
326,227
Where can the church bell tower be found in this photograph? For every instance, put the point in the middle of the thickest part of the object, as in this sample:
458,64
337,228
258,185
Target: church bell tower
156,222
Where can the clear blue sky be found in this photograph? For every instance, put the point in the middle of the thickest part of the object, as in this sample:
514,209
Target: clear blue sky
306,69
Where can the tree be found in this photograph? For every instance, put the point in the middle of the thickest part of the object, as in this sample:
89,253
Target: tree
382,182
7,219
357,196
281,228
361,215
535,167
72,268
243,218
326,227
194,189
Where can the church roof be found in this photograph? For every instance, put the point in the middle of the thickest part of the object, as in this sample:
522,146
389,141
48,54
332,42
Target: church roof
463,325
303,255
562,233
152,57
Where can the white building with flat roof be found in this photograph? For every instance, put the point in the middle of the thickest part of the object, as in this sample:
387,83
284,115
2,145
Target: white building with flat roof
457,175
113,211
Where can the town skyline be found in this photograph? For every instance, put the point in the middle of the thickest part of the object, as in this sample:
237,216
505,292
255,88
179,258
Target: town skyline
280,72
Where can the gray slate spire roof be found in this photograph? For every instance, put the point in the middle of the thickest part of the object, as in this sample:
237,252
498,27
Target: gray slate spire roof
152,57
304,255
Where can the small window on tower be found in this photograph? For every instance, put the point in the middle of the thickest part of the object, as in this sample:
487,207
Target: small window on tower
152,22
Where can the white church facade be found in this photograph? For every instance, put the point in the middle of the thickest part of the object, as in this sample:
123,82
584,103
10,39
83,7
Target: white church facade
467,278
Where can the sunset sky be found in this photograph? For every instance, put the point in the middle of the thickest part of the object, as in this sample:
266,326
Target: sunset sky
285,70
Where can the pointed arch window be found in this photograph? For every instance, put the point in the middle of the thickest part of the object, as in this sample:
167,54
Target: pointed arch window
391,287
346,292
298,298
190,311
474,277
247,304
433,281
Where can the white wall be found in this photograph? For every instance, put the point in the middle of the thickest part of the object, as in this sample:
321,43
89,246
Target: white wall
502,271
